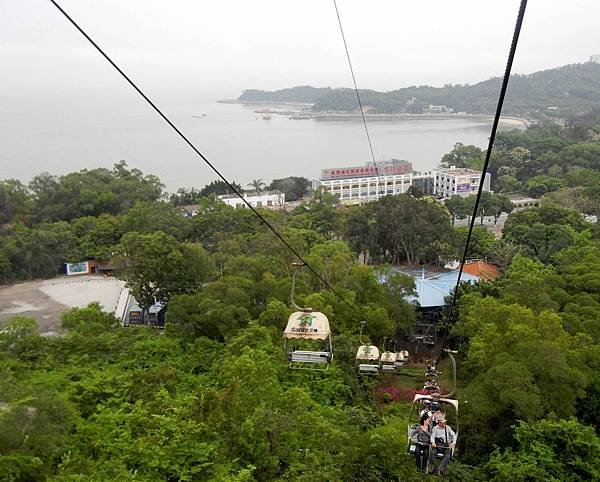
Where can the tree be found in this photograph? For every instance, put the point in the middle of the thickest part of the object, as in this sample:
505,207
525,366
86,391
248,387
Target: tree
502,252
293,187
15,201
481,241
412,229
469,156
257,185
500,204
155,266
550,450
91,192
509,184
457,207
88,321
539,185
544,231
319,214
145,217
219,188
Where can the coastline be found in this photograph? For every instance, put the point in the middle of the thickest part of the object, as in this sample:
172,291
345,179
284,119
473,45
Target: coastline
295,108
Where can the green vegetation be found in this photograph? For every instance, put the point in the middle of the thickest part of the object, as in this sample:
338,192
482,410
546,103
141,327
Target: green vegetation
300,94
211,397
553,93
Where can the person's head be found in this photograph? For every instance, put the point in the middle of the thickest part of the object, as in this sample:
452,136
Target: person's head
424,419
441,421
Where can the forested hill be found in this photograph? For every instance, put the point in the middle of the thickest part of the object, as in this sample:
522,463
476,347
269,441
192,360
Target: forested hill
559,92
301,94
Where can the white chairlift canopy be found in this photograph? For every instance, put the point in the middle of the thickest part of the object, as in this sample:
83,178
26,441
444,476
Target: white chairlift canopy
388,357
449,401
307,325
367,352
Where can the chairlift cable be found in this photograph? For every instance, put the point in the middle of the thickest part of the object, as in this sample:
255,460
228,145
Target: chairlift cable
203,157
360,106
503,89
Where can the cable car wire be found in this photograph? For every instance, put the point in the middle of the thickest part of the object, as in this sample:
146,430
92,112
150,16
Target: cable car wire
362,113
503,89
203,157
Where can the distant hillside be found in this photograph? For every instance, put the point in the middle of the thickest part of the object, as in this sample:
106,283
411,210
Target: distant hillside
559,92
301,94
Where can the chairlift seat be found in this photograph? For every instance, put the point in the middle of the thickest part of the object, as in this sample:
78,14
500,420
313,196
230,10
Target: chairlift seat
388,368
366,369
300,356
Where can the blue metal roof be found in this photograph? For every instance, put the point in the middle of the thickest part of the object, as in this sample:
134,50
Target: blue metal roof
433,288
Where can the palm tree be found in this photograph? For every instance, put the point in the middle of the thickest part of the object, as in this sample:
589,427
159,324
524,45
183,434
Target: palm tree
257,185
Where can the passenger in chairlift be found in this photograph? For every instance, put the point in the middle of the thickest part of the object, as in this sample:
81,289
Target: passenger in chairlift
426,409
437,416
443,440
423,441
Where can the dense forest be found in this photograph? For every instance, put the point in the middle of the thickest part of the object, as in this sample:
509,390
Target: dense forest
554,93
211,397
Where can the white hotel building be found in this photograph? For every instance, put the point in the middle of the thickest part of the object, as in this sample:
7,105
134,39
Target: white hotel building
355,185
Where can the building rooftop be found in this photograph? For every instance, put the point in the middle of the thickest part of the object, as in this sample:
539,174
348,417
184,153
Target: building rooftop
250,194
484,271
459,172
433,288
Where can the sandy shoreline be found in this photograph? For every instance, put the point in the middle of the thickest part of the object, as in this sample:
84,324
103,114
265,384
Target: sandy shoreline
292,108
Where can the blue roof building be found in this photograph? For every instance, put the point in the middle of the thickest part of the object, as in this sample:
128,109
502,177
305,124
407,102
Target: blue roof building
433,288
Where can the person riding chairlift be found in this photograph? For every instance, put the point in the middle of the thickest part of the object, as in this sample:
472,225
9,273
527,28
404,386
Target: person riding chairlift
443,440
422,438
426,409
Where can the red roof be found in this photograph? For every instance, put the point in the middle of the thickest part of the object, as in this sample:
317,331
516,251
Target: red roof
485,271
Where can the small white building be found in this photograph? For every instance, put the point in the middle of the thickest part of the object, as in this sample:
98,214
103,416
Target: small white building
462,182
520,202
270,200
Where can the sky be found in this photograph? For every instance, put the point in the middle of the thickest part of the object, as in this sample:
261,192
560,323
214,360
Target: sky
218,48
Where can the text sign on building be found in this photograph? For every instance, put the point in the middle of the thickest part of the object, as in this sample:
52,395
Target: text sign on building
463,187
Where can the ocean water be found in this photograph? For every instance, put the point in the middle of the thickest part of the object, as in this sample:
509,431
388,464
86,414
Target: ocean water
53,135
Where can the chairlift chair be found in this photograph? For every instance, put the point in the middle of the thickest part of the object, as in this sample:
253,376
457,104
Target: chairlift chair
401,358
367,356
431,369
387,361
312,326
367,360
450,408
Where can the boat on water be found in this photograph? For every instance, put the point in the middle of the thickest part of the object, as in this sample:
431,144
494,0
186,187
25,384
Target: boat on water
266,117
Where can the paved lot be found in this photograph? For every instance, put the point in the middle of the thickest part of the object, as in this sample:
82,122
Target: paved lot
46,300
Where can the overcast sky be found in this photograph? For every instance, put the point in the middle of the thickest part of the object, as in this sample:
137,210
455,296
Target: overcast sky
218,48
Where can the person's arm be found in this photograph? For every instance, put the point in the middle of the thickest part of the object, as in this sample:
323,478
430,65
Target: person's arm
453,436
432,438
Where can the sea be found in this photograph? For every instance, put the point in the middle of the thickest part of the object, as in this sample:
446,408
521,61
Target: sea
49,135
